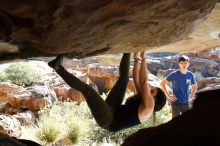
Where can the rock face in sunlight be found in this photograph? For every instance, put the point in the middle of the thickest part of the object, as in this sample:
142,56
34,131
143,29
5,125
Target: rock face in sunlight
89,27
10,125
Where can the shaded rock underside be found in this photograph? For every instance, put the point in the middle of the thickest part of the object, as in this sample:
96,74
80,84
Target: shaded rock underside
83,28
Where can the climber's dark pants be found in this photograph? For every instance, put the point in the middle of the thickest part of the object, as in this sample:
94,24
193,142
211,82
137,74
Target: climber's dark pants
103,111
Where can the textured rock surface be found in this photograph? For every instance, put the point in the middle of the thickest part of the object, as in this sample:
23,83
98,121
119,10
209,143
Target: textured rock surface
6,89
10,125
33,97
88,27
67,93
206,36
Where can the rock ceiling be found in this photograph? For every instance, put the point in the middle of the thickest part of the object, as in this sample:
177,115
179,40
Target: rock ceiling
205,36
81,28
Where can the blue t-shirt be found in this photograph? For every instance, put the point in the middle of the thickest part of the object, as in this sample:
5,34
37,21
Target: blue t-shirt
181,84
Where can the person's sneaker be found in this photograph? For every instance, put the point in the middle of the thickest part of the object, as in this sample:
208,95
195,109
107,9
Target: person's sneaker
56,62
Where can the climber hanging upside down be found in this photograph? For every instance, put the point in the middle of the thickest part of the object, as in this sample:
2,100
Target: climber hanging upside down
111,114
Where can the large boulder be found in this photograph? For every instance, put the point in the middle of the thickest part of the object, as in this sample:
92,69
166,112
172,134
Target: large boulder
6,89
83,28
203,65
26,118
67,93
198,126
10,125
208,82
33,98
15,99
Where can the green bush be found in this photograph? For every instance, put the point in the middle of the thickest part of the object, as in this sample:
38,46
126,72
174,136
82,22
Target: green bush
22,73
3,77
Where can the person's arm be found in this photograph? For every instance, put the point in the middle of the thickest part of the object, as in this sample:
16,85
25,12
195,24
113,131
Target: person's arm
194,88
163,87
147,105
136,72
193,91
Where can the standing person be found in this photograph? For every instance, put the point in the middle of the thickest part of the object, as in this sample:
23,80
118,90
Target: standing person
181,80
111,114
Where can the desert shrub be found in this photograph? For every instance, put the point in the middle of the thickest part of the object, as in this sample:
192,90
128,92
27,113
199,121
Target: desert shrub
22,73
74,119
67,110
76,129
3,77
48,130
73,132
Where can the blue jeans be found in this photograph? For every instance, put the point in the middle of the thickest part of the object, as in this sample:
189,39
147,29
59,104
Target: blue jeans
179,108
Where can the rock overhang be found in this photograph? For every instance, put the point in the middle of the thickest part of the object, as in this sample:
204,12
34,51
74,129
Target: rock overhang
90,27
